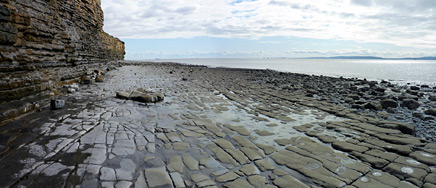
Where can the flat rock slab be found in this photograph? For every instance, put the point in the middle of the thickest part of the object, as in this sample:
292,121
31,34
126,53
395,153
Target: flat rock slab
257,180
239,183
264,164
176,164
424,157
158,177
263,132
249,170
199,178
345,146
404,171
177,179
288,181
225,144
107,174
180,146
191,163
374,161
283,142
227,177
241,130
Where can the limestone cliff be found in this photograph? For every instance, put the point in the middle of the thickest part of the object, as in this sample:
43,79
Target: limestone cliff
45,42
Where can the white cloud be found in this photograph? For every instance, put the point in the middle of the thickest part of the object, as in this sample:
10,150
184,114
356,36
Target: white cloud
405,23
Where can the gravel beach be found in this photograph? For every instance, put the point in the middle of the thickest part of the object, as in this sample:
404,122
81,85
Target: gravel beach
220,127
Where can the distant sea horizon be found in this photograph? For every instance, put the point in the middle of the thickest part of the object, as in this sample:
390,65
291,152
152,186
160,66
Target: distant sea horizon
401,71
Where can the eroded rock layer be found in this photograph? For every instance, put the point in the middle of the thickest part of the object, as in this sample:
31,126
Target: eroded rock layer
44,42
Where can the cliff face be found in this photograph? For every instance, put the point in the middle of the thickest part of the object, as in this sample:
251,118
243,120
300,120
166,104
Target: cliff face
44,42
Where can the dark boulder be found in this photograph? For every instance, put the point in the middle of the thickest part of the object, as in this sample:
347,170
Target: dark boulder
431,112
414,88
406,128
372,106
364,89
379,89
390,110
410,104
418,115
388,103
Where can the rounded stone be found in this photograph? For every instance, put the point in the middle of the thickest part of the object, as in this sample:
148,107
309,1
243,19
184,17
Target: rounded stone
364,179
378,174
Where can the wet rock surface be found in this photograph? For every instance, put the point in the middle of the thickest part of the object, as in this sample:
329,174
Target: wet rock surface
219,127
382,99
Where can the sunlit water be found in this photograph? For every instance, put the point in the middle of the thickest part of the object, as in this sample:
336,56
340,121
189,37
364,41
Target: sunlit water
400,71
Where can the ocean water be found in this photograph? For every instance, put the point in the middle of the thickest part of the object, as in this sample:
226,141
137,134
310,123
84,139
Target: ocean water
397,71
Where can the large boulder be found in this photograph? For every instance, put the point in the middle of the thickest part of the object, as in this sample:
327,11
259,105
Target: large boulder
134,95
406,128
431,112
410,104
415,88
388,103
372,106
141,96
146,98
123,95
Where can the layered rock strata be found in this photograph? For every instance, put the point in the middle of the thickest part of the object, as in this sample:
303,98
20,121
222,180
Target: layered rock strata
44,43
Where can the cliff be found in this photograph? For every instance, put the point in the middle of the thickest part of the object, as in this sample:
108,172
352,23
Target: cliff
44,43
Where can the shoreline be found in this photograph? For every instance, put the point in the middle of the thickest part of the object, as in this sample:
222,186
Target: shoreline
337,75
215,127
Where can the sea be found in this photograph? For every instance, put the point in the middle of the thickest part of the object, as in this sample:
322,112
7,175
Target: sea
396,71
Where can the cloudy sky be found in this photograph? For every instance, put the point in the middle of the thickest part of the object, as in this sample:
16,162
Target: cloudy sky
272,28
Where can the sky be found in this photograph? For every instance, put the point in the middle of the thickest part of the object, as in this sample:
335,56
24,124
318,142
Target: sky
171,29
